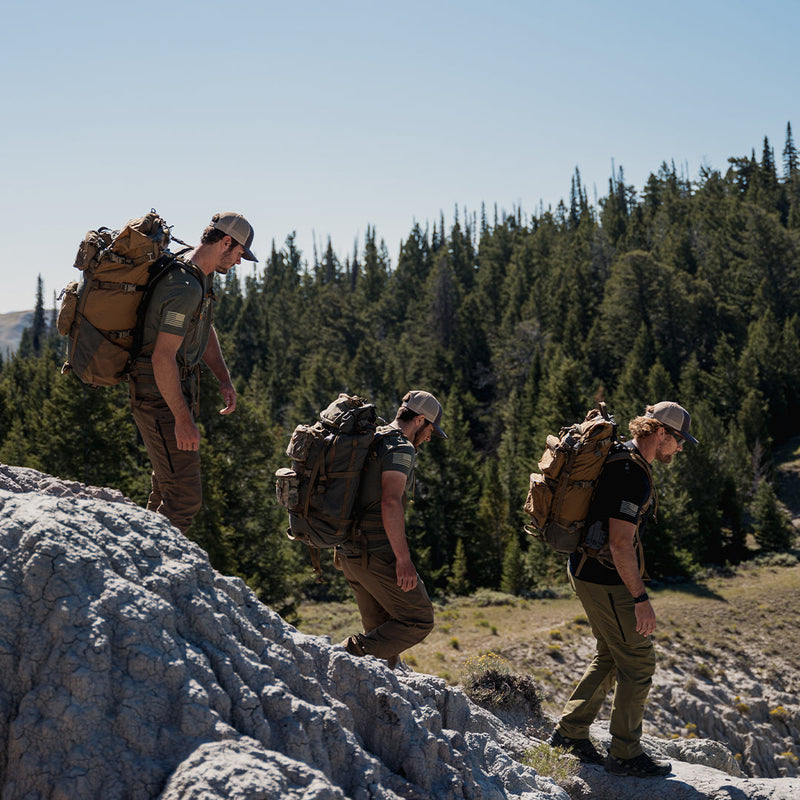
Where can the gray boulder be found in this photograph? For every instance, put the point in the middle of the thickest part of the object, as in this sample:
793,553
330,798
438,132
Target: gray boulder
131,669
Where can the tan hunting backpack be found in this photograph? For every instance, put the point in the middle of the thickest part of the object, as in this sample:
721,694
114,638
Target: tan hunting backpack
560,496
101,313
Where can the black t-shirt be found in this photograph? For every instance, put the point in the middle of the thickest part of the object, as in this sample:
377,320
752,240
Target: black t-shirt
623,492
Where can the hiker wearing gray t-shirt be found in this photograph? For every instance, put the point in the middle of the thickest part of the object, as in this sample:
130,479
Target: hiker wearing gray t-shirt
178,334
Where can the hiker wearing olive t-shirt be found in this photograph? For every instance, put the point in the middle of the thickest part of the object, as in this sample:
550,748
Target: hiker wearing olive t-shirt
396,612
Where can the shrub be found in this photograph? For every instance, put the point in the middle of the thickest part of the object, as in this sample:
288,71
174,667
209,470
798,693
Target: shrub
552,762
489,682
779,713
704,671
477,665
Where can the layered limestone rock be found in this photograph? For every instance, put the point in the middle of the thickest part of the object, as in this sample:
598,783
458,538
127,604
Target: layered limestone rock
131,669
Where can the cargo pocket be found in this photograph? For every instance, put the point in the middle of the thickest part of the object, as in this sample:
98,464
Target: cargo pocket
94,358
66,313
299,446
287,488
539,500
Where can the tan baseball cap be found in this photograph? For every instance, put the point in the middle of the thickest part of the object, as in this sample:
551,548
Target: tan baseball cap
674,417
239,229
426,404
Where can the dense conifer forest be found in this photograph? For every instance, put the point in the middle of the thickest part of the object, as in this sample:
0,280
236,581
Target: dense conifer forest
687,290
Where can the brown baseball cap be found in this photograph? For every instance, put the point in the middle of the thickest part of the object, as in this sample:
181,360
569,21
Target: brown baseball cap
426,404
238,228
674,417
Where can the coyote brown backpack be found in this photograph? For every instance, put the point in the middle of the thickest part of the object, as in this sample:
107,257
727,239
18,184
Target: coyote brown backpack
320,488
101,313
559,497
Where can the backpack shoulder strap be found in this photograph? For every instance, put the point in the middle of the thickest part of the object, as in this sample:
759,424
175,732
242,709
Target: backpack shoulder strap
637,458
167,262
622,454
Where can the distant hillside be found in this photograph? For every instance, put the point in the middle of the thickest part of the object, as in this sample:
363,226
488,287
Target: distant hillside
11,327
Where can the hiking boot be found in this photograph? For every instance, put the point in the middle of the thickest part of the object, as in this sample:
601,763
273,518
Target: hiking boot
642,766
582,748
353,645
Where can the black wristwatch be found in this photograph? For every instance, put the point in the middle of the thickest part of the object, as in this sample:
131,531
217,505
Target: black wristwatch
641,598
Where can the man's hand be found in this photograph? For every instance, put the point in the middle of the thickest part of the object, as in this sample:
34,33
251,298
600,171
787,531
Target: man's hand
406,575
228,395
645,618
187,434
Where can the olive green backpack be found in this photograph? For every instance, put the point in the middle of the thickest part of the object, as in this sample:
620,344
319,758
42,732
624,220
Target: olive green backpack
320,488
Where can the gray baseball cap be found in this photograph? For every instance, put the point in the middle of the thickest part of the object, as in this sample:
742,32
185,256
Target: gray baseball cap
238,228
426,404
675,417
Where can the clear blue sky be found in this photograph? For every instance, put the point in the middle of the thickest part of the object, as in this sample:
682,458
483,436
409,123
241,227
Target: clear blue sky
324,118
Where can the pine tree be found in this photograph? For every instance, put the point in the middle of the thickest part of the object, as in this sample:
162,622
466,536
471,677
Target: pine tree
511,581
376,269
772,527
458,580
791,161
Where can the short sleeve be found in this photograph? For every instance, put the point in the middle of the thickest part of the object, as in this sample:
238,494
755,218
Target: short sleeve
398,460
176,297
624,491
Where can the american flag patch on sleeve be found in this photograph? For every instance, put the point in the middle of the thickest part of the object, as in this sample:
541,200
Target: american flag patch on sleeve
174,319
402,462
629,509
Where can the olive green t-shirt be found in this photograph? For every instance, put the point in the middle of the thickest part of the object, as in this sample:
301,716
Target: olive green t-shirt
181,304
392,452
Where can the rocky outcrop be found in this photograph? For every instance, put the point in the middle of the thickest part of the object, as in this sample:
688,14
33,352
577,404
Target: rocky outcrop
131,669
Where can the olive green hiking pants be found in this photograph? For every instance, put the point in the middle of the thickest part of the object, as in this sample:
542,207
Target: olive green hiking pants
393,620
622,655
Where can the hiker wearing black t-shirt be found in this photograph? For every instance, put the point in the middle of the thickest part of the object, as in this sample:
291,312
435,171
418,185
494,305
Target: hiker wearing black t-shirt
610,585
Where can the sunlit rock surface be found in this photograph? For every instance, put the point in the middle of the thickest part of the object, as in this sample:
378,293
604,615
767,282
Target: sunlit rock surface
131,669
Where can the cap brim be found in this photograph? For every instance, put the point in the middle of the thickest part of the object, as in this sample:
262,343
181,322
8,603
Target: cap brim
438,431
248,255
687,437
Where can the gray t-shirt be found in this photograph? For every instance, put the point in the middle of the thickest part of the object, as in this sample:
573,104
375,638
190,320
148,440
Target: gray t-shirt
181,305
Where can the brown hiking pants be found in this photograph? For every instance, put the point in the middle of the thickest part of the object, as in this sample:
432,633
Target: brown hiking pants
393,620
176,489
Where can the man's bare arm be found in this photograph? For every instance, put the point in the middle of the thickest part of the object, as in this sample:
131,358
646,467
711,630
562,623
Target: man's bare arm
620,540
393,485
216,363
168,380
